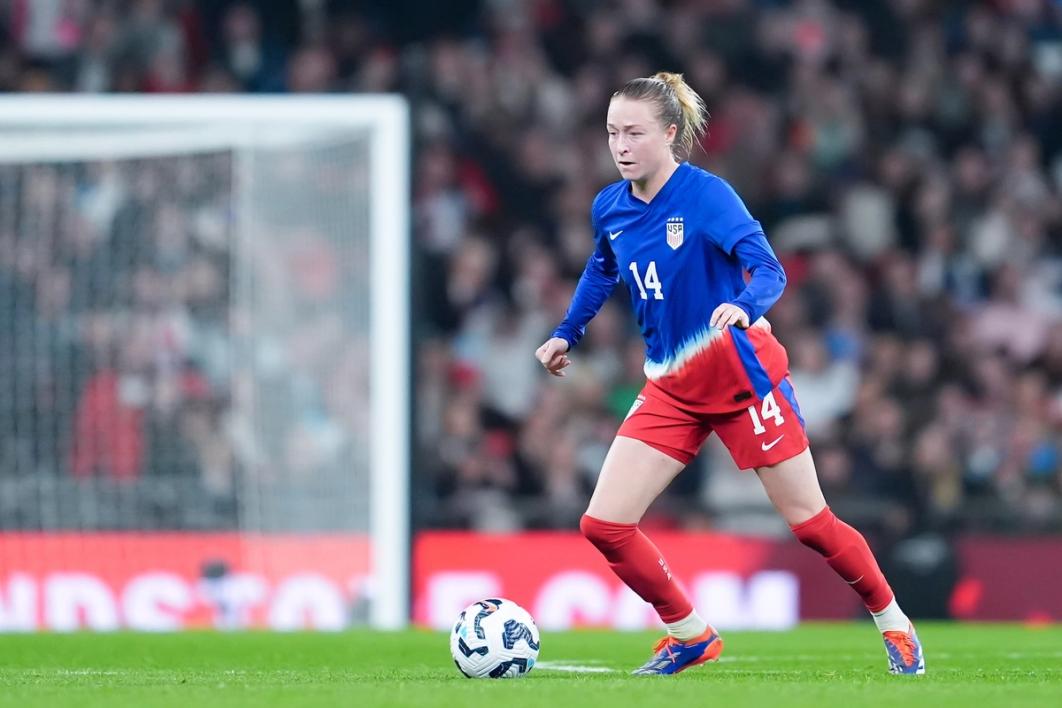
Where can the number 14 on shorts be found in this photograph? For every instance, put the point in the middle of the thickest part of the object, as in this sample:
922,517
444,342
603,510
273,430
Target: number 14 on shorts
768,410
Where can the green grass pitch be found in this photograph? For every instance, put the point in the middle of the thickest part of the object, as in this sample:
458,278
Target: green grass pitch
815,665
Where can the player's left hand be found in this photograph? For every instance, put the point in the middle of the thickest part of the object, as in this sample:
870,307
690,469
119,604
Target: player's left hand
729,314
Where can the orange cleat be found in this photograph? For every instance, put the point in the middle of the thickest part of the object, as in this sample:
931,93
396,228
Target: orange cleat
905,652
671,656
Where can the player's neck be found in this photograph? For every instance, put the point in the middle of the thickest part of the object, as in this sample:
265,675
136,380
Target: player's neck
644,190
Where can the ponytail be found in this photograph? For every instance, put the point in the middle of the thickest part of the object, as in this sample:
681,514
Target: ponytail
694,113
676,104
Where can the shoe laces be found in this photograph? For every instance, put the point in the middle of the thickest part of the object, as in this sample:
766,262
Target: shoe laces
665,642
903,642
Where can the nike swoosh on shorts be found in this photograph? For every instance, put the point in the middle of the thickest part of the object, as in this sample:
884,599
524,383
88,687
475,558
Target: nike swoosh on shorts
767,446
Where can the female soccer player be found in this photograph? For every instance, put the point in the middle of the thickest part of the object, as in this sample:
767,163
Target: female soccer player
681,239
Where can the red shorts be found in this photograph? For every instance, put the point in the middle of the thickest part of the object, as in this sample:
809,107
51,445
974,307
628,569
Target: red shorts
765,433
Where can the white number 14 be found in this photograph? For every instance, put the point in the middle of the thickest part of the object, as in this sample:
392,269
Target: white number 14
769,409
652,281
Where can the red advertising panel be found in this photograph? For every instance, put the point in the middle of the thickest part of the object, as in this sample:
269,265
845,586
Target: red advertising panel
563,582
1009,579
741,582
159,581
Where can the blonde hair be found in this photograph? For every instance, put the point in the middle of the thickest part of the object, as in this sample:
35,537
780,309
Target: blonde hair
676,103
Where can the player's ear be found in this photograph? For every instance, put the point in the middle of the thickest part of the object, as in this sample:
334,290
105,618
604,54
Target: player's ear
670,134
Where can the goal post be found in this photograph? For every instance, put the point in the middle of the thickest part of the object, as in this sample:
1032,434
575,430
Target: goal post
292,377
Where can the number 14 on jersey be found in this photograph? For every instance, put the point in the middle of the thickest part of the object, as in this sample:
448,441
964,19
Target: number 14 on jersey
651,281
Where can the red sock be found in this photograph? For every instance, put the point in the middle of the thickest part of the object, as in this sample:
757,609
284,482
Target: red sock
637,562
847,552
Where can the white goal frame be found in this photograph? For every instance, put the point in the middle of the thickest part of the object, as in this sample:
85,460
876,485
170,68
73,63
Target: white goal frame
173,125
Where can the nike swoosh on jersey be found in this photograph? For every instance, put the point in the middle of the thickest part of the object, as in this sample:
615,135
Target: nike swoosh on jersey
614,236
767,446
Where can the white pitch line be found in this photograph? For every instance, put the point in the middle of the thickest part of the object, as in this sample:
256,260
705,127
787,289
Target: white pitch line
734,661
572,668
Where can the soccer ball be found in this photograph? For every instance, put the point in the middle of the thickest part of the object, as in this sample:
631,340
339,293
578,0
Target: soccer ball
494,638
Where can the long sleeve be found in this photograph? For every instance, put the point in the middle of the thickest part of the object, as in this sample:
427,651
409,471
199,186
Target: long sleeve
768,278
598,280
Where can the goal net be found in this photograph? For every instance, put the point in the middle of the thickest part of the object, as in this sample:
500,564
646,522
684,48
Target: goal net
204,362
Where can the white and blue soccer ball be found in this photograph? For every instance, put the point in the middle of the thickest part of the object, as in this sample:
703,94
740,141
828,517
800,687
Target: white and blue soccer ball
494,638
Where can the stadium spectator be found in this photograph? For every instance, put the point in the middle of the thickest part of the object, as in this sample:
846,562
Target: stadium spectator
903,157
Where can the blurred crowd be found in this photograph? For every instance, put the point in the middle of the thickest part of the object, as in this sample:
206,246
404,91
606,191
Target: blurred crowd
160,370
903,156
115,360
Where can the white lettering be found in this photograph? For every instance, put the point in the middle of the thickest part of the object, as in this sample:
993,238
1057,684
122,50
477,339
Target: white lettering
233,597
632,612
76,600
308,601
18,612
571,597
155,602
773,600
768,600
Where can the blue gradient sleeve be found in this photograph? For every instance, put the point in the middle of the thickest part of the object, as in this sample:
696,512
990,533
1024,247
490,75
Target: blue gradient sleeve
727,218
768,277
598,280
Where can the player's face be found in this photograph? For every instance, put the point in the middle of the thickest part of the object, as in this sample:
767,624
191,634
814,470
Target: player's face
638,142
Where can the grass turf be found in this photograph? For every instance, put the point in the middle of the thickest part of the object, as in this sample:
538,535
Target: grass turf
818,664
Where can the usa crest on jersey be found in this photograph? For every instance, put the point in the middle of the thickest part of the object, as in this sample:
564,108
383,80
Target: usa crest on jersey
674,232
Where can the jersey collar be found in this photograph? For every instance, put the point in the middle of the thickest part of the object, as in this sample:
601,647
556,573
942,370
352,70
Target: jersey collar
676,177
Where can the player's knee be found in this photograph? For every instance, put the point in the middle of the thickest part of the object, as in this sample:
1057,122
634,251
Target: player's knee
590,528
819,532
605,534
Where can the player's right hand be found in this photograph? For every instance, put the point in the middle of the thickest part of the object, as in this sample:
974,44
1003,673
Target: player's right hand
553,355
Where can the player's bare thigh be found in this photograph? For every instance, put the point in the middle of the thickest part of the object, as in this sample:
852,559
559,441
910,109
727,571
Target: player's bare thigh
633,476
793,487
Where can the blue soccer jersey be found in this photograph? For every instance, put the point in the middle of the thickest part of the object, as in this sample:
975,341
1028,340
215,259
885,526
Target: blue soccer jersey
682,255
